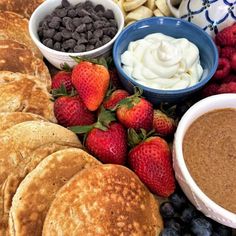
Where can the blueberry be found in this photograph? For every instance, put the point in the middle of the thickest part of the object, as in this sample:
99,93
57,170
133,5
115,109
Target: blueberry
174,223
167,210
222,230
169,232
201,227
178,200
188,214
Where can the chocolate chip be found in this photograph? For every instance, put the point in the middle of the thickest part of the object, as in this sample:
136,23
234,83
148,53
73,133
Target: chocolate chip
90,47
57,46
69,44
45,25
113,23
66,34
83,35
109,14
54,24
93,40
71,13
89,26
48,43
83,12
48,33
98,44
106,39
98,33
58,36
48,18
75,35
77,21
71,50
81,41
98,24
79,48
89,35
88,4
81,28
70,26
99,7
40,32
65,3
65,20
61,12
94,16
87,19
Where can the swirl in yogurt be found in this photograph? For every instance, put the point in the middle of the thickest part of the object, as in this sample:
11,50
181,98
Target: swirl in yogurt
163,62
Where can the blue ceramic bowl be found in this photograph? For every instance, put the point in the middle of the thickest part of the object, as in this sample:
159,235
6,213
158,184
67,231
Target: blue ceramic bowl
176,28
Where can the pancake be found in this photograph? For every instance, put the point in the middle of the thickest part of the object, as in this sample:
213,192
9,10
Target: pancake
104,200
15,27
16,57
36,192
22,147
25,93
22,7
8,119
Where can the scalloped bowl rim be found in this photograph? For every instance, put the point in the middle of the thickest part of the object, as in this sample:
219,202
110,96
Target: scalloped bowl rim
160,91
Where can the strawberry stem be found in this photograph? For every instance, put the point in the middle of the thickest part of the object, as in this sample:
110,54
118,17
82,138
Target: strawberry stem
99,61
65,67
81,129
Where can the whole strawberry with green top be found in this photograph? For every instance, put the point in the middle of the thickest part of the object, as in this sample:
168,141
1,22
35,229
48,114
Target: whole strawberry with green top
151,161
135,112
106,139
91,81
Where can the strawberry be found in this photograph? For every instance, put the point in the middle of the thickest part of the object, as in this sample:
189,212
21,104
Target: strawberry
233,61
91,82
71,111
62,78
114,78
230,78
223,69
227,88
151,161
108,146
227,37
115,98
105,139
163,125
135,112
227,52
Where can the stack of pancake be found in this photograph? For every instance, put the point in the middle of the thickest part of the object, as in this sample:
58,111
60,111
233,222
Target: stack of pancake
48,184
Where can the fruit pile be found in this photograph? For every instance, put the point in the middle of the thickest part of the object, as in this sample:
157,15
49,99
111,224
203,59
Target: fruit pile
116,127
182,218
224,80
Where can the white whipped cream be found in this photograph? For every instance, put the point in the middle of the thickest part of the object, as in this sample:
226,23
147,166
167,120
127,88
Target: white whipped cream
163,62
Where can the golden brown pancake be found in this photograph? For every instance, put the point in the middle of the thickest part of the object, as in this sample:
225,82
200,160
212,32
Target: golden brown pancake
16,57
15,27
22,7
36,192
22,147
25,93
104,200
8,119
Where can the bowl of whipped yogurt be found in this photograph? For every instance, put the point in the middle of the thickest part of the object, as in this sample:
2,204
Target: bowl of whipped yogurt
168,58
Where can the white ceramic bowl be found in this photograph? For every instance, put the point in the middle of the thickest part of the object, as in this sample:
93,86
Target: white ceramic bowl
188,185
57,58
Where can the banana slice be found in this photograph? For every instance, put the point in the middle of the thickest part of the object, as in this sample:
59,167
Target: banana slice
157,12
162,6
120,3
150,4
138,14
133,4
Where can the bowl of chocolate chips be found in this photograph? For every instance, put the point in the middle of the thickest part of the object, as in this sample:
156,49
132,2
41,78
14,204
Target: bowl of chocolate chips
75,28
